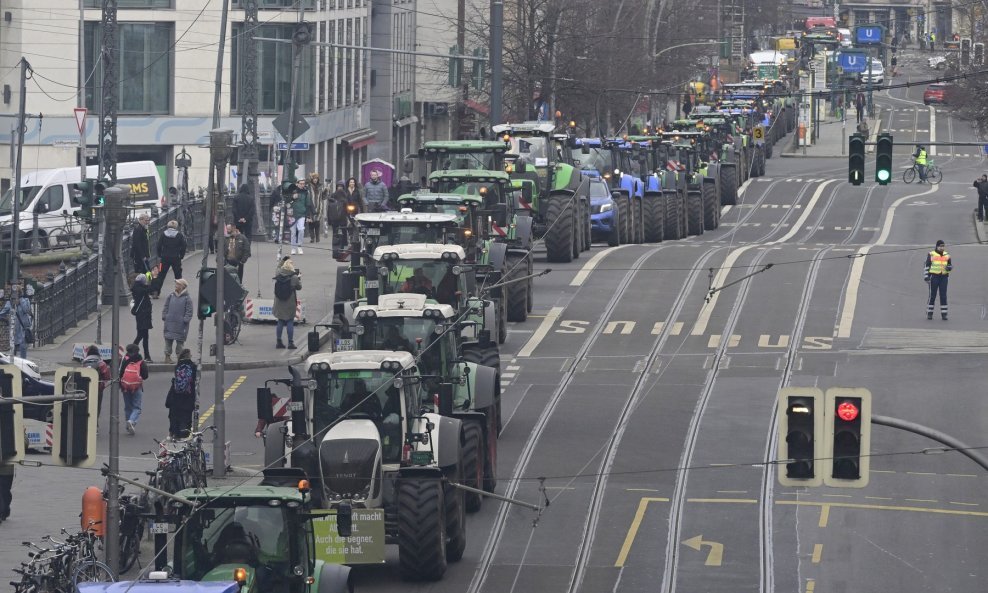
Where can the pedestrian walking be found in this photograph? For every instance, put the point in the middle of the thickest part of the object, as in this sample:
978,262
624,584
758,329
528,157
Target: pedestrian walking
301,208
687,106
17,312
181,400
316,194
176,315
936,272
94,361
237,250
355,196
243,211
336,216
859,104
981,184
171,252
133,373
140,245
287,283
141,310
376,193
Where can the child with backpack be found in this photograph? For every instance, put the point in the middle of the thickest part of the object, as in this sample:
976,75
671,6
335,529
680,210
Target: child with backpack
287,281
133,372
181,401
93,360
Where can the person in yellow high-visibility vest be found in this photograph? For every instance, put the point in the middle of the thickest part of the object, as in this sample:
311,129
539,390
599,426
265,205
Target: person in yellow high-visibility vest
936,272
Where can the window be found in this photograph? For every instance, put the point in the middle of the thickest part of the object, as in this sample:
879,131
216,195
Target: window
278,4
51,200
132,4
274,71
144,66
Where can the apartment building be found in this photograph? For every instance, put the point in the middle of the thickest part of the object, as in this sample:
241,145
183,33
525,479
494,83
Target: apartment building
167,59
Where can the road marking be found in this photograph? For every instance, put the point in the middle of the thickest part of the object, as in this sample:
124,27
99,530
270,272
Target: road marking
920,500
629,539
933,131
732,342
817,553
725,210
806,213
716,555
743,187
641,490
878,498
824,514
704,318
966,504
541,332
732,492
626,327
677,328
883,507
724,500
810,585
588,267
921,473
857,268
226,395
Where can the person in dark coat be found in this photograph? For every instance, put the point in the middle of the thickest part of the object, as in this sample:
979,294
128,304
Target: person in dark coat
18,314
336,213
355,196
171,252
142,312
140,245
243,211
981,184
284,309
181,400
318,198
176,315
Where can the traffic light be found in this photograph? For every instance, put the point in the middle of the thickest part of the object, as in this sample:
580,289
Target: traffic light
856,160
82,195
99,194
74,421
883,159
479,69
965,52
979,54
455,67
848,434
11,416
302,34
207,293
800,430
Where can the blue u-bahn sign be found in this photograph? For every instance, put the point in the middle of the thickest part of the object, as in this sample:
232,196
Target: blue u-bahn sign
868,35
852,62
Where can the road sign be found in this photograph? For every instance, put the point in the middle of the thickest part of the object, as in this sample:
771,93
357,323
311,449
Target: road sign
758,133
852,62
80,118
282,123
866,35
295,146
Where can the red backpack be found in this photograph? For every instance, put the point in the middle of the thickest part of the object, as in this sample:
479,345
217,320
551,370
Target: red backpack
131,380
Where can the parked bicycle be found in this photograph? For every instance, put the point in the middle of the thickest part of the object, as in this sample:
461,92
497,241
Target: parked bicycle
933,174
59,568
133,512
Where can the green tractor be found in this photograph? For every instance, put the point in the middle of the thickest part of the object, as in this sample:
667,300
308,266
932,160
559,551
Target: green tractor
445,155
249,538
691,148
555,192
729,151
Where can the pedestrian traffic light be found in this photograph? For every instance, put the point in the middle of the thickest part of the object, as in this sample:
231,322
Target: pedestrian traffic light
99,194
74,420
82,196
966,52
800,429
848,436
207,293
11,415
979,54
856,160
883,159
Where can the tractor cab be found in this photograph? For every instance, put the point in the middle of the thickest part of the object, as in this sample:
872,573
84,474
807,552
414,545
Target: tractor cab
396,228
447,155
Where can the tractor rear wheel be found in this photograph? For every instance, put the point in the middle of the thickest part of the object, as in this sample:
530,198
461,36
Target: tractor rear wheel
488,356
456,515
711,207
577,210
653,213
516,294
473,463
559,237
614,236
624,219
673,227
639,232
490,449
694,213
421,528
728,185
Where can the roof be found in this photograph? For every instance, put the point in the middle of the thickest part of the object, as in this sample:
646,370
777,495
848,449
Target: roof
543,127
224,493
456,146
471,175
420,251
372,218
404,304
439,198
360,360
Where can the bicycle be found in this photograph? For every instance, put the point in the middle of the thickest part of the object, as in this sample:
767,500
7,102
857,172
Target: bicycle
197,457
933,173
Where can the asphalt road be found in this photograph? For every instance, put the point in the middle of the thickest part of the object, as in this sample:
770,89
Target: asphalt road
642,415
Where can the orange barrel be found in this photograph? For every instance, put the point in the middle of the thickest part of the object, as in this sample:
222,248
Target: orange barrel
93,510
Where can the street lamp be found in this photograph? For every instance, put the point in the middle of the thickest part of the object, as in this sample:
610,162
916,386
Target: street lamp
664,50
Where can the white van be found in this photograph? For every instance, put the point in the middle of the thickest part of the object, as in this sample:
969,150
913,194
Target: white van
50,193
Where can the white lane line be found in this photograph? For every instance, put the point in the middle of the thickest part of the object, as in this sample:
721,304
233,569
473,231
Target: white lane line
540,333
806,214
933,131
857,267
725,268
725,210
744,186
588,267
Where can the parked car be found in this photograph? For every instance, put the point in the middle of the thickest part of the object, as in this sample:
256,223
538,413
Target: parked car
938,62
937,93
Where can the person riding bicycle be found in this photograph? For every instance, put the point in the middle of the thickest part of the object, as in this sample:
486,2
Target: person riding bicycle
919,160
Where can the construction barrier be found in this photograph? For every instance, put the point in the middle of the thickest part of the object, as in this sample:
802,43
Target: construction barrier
262,310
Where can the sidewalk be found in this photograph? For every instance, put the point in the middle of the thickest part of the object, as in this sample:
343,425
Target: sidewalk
256,345
833,134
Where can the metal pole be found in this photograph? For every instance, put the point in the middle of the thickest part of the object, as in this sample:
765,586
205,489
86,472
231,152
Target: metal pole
287,162
871,104
101,239
497,61
936,435
219,147
15,229
218,88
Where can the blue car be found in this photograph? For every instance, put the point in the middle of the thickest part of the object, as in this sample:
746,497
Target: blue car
604,222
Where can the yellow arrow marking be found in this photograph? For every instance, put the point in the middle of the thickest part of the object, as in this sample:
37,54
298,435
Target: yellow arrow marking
716,554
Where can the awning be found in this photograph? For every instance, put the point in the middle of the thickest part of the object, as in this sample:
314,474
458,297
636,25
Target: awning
359,138
481,108
406,121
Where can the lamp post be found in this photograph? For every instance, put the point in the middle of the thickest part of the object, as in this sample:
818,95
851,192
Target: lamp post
220,141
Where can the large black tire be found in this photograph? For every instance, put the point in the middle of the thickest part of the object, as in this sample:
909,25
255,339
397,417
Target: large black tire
711,206
490,447
502,319
560,236
577,210
694,213
768,150
516,294
473,465
614,237
673,228
639,232
728,186
489,356
624,214
456,524
421,529
653,213
587,227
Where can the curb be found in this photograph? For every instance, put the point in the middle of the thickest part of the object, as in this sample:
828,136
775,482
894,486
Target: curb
979,228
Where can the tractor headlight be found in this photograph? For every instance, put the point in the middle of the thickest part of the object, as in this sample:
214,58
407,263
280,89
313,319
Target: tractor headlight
457,270
450,256
398,382
359,330
382,271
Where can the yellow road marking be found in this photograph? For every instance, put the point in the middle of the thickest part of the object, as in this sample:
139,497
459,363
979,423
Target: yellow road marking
817,553
810,586
824,513
226,395
540,332
882,507
633,530
716,555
